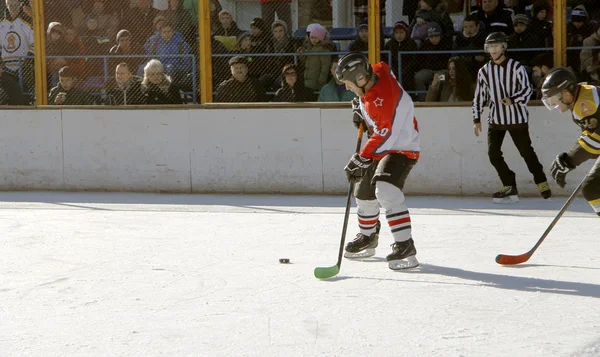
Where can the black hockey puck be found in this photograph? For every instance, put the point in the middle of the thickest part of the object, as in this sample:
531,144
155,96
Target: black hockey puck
284,260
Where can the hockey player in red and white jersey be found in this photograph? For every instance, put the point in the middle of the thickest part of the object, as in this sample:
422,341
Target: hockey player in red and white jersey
380,169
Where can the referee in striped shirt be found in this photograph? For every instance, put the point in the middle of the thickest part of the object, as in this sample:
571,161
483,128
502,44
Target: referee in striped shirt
504,84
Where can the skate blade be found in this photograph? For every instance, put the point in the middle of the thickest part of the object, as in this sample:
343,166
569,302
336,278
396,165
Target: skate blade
503,200
362,254
401,264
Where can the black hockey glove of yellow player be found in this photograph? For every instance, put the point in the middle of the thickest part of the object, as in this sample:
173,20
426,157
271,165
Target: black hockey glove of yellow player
357,116
357,167
560,168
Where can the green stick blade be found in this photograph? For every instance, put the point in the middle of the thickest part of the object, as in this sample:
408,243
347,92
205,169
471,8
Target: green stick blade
326,273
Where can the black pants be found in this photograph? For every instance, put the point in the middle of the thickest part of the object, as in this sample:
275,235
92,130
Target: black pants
520,136
591,187
393,168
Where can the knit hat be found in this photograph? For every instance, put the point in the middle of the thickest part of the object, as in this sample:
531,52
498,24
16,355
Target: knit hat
363,26
238,60
521,19
54,26
318,32
579,14
66,71
280,22
122,33
242,36
402,25
434,29
260,23
539,6
310,27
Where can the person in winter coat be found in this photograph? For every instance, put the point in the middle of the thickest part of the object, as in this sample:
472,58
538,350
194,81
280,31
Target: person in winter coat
291,90
124,47
430,63
280,43
261,36
362,42
471,38
157,86
181,20
454,85
428,11
240,88
578,29
588,55
316,67
167,44
226,26
10,92
66,93
523,38
124,89
335,91
401,42
540,26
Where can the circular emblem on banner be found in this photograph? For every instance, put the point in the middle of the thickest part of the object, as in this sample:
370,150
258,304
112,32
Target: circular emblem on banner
12,42
592,123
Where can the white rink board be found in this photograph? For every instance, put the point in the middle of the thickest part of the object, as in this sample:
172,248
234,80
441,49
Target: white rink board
30,149
237,150
286,150
136,150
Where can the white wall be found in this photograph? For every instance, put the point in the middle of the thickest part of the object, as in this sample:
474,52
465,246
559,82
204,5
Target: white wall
286,150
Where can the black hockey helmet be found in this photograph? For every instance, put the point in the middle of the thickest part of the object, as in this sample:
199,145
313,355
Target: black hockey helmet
352,67
558,80
495,38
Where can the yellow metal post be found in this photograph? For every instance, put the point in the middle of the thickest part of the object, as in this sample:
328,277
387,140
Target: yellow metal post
374,31
206,93
39,47
560,33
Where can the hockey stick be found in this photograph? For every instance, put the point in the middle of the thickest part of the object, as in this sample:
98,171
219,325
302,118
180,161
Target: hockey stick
505,259
328,272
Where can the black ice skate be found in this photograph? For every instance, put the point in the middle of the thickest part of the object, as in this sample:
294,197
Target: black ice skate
403,255
363,246
507,194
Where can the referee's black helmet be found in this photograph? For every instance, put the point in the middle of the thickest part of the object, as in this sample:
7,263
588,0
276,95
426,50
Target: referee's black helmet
494,38
353,67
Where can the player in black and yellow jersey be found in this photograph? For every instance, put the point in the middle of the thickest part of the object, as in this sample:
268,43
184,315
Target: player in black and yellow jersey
561,91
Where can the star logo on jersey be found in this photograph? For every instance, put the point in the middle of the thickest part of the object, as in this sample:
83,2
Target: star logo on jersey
378,102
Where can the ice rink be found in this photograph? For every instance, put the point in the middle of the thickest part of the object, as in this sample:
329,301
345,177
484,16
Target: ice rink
120,274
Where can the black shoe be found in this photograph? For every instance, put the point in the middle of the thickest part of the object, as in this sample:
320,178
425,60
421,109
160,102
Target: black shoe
363,246
403,255
507,194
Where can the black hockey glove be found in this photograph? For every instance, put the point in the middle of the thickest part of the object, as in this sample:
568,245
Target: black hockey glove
357,167
560,168
357,116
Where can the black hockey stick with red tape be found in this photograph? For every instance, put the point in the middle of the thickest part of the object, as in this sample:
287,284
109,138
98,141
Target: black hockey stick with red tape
328,272
505,259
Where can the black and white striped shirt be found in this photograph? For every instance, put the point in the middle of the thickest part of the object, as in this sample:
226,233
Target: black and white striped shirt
497,81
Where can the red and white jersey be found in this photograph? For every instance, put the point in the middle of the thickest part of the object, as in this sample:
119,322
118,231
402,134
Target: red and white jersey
390,112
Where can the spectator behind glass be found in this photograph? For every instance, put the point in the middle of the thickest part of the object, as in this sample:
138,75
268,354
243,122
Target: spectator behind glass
578,29
588,55
471,38
494,17
57,46
429,12
280,43
268,8
226,26
66,93
334,90
181,19
10,92
522,38
168,44
454,85
107,22
261,37
124,89
291,90
124,47
240,88
157,86
362,42
542,64
316,67
540,26
140,21
16,42
77,47
400,42
431,63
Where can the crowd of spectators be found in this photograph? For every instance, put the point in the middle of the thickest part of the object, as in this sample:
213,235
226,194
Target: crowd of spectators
135,52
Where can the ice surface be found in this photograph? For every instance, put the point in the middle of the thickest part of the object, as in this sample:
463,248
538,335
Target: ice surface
115,274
